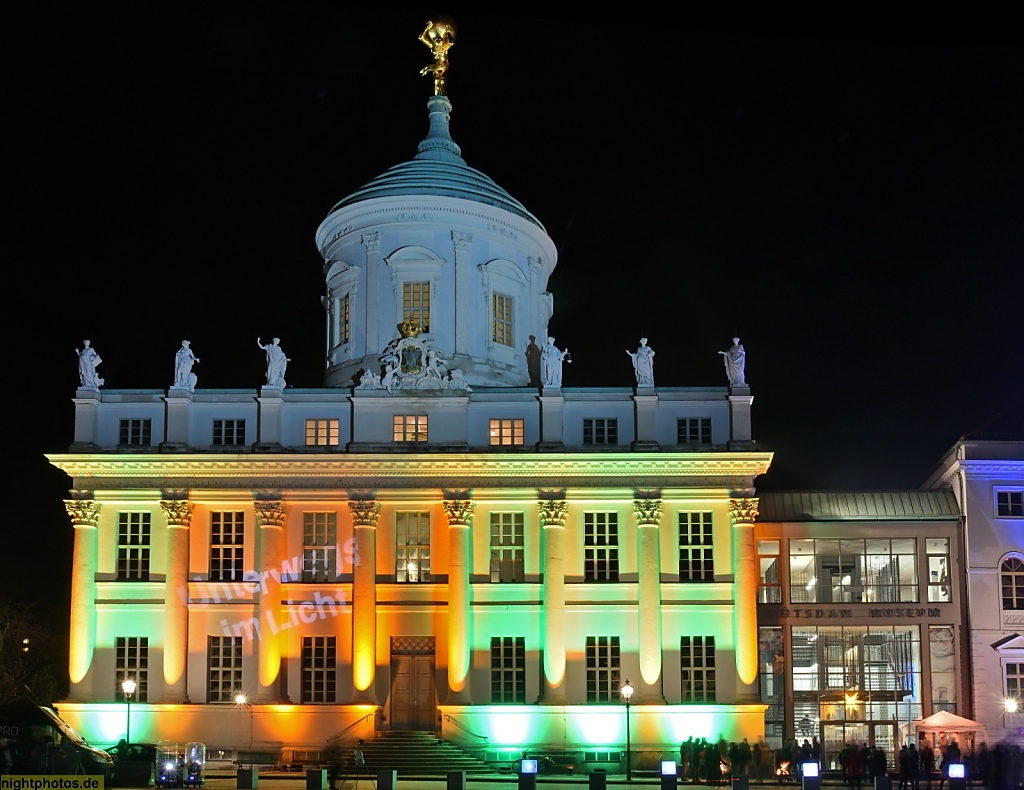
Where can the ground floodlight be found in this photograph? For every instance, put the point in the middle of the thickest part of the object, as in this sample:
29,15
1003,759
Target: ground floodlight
668,767
528,767
957,771
810,769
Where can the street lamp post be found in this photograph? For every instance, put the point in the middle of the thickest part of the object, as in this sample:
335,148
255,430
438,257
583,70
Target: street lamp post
128,686
627,692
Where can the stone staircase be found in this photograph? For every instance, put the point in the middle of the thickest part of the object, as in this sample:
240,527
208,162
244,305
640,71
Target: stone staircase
416,753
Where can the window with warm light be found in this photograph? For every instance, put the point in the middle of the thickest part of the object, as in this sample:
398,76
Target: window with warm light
412,547
696,547
508,669
227,546
603,671
697,665
501,319
506,432
416,304
320,547
410,428
133,536
322,433
319,675
135,433
228,432
224,668
507,547
131,662
1011,581
601,547
342,316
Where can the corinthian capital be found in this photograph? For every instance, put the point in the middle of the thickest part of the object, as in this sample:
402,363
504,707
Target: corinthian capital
648,511
462,240
458,511
743,511
178,512
83,512
269,512
552,512
364,511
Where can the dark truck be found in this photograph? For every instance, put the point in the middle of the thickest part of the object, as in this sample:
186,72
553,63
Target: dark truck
38,741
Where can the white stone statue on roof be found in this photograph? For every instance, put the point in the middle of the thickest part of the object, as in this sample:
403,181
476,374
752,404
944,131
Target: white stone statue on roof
184,359
88,360
735,364
643,364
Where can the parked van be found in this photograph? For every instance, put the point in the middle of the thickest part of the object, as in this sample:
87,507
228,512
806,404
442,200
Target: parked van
41,742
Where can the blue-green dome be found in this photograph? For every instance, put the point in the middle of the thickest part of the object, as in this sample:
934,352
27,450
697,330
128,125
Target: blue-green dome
438,169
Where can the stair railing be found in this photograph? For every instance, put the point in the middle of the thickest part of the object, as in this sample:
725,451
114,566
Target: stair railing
462,727
351,726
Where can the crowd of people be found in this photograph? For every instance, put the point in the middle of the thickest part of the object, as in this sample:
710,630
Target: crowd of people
919,768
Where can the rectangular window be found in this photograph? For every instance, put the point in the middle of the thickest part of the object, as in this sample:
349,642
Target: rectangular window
133,533
603,431
697,661
412,547
131,657
343,320
696,548
410,428
227,546
508,669
224,672
769,589
603,669
939,588
693,430
1014,683
506,432
501,319
319,547
416,304
318,675
1010,504
135,433
228,432
600,547
322,433
507,547
876,570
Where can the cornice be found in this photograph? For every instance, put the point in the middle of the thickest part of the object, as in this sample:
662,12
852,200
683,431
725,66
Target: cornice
322,470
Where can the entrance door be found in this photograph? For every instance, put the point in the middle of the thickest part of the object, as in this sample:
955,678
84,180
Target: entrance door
412,693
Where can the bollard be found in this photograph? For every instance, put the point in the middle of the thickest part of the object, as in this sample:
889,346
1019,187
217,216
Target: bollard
456,780
957,776
883,782
527,774
740,782
387,780
669,775
811,776
248,779
598,779
316,779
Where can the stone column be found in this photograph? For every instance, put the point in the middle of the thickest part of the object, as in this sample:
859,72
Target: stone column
364,599
464,303
270,519
648,562
460,565
85,517
742,513
552,521
178,512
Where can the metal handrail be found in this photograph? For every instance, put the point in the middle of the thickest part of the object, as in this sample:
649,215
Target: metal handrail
349,727
462,727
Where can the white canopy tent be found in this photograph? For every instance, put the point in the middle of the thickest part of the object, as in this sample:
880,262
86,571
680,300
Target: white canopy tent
947,724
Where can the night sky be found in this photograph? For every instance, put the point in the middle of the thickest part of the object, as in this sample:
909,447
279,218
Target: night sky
850,203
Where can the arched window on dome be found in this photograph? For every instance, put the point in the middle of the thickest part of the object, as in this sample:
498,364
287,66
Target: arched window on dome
1011,582
415,275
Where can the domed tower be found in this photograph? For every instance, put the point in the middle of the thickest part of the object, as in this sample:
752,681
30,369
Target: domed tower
435,244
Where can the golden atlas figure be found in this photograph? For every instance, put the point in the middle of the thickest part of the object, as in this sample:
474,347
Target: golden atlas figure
439,36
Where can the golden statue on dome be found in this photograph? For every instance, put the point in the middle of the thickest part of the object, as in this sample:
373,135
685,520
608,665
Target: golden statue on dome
440,37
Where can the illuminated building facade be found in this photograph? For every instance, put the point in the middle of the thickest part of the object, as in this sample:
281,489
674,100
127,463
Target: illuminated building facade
987,479
861,615
442,538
